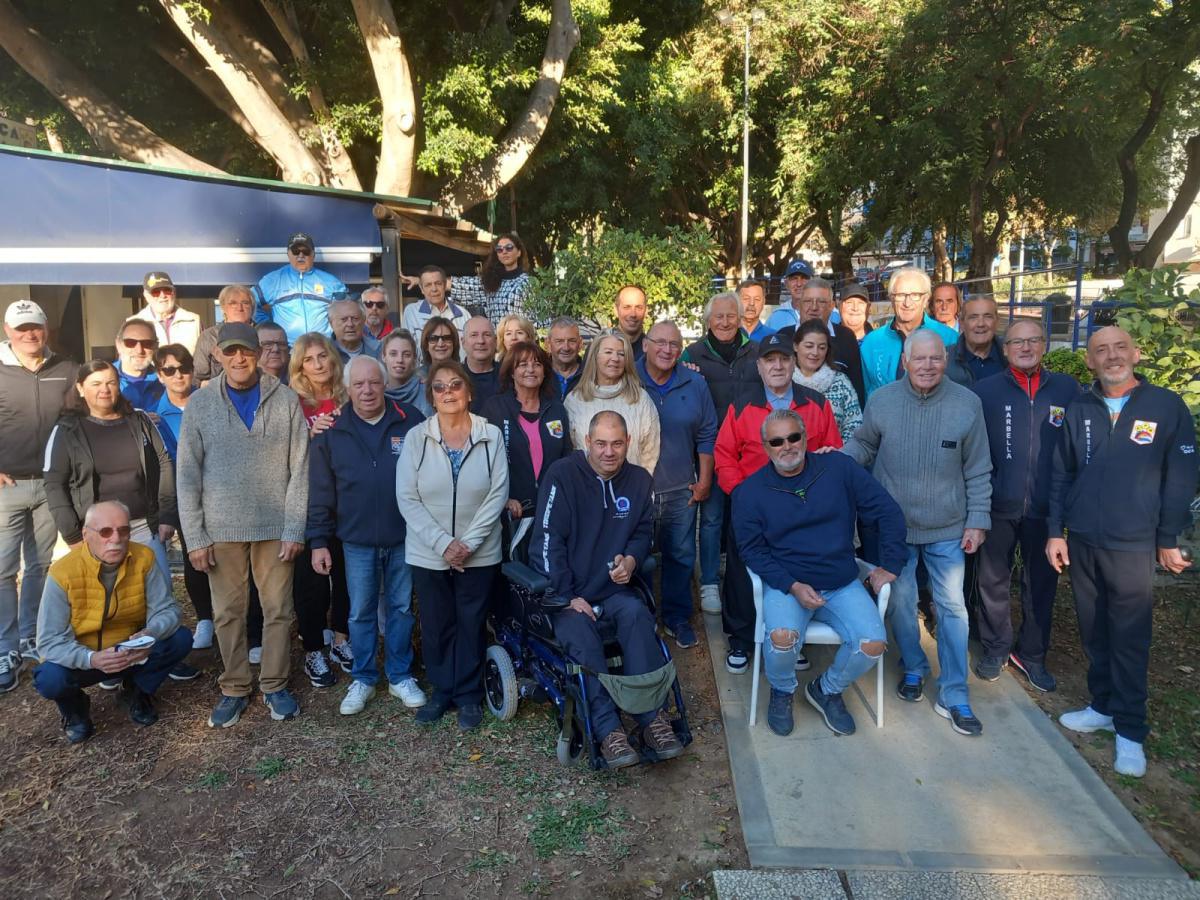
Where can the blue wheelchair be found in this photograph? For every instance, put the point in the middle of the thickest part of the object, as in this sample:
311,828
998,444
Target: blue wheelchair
527,661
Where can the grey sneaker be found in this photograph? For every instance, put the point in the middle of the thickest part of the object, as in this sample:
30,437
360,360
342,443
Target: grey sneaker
342,655
227,712
282,704
989,668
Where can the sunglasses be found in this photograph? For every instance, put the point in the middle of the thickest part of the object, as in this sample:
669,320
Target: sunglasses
172,371
162,292
299,251
441,387
441,338
236,349
145,344
375,304
108,531
505,248
794,438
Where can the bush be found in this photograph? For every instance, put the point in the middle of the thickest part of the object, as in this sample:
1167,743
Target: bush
1069,362
674,269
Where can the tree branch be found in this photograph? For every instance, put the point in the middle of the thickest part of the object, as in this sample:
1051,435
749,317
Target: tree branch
398,145
1118,235
203,80
1184,197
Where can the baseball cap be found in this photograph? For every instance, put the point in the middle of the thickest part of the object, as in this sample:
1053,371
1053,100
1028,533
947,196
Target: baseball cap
24,312
157,280
301,239
854,289
775,343
237,334
798,267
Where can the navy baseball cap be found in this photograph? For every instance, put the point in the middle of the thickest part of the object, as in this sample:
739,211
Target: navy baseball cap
301,239
237,334
798,267
776,343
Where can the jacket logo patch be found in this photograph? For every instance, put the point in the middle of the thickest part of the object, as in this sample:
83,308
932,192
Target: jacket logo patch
318,288
1057,414
554,426
622,505
1187,449
397,445
949,445
1143,432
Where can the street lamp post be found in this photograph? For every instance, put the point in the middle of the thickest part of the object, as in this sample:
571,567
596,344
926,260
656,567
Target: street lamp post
729,20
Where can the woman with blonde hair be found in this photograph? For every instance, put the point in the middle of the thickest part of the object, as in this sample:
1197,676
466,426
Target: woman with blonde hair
610,382
512,330
315,374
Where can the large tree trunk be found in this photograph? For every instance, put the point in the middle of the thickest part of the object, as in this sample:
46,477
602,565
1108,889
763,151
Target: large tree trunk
182,61
398,145
485,180
942,268
1147,257
113,129
1118,235
220,51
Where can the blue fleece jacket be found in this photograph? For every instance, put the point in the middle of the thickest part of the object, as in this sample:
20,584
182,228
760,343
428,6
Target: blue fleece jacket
687,421
144,392
170,419
352,478
802,528
881,350
1022,434
1126,486
584,521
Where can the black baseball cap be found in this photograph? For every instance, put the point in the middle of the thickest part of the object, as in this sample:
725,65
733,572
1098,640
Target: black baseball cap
854,289
775,343
237,334
301,239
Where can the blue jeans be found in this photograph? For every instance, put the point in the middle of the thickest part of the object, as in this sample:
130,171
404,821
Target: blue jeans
675,537
26,530
366,568
848,610
945,563
712,520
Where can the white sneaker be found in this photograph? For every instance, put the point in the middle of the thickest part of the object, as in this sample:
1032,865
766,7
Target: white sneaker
203,637
255,656
409,692
356,698
1130,759
1086,720
710,598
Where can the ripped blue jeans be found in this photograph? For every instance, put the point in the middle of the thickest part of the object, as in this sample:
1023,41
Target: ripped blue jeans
848,610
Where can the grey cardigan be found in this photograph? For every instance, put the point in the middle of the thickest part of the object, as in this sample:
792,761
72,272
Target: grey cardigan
236,485
930,451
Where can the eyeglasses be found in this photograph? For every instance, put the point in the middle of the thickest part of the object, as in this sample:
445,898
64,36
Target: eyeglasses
375,304
108,531
918,297
794,438
505,248
273,345
441,338
1025,342
670,345
441,387
144,343
162,292
236,349
172,371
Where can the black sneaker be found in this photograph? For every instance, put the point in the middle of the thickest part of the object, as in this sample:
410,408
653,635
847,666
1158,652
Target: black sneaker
184,672
802,663
433,710
316,667
683,633
76,718
779,713
470,715
911,688
1035,672
140,706
989,668
736,661
961,719
10,665
831,707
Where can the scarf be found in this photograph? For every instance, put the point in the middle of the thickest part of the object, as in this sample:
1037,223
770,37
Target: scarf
727,350
410,392
818,381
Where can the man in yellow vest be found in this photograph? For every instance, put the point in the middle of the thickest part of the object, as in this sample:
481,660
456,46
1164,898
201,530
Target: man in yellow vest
107,612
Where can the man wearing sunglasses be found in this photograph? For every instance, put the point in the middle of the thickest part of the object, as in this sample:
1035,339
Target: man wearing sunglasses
105,592
297,296
172,323
135,344
794,520
380,322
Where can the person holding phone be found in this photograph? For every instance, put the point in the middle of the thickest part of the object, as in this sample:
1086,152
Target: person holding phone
101,603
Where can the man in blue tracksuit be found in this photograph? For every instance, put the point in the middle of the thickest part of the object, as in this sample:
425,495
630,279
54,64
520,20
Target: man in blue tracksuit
1123,479
1024,408
297,296
684,475
351,496
593,528
794,522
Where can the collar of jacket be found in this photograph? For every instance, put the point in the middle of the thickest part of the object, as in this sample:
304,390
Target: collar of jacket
513,408
938,389
1097,391
8,356
426,308
433,428
391,413
744,340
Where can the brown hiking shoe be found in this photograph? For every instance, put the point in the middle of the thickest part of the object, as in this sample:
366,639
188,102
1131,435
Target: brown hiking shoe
660,737
616,750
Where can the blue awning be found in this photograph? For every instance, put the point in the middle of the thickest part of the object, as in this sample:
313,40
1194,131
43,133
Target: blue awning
76,220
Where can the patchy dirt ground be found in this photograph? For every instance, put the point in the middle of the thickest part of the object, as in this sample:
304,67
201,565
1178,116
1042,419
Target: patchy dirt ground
1167,800
330,806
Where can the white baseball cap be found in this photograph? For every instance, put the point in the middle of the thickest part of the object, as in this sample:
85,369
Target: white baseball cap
24,312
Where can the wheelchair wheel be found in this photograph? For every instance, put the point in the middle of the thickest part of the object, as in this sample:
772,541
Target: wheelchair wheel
500,683
570,749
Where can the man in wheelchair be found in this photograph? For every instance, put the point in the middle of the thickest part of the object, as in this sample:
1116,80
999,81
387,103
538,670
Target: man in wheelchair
794,525
593,529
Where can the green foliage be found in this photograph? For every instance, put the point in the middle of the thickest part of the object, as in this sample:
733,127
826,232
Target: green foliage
556,831
1069,362
1162,318
675,270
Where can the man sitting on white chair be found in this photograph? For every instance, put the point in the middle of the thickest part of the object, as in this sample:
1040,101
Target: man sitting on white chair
794,524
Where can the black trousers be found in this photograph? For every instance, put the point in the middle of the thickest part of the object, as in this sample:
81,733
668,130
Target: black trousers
737,596
626,618
196,584
1038,583
453,609
320,598
1114,599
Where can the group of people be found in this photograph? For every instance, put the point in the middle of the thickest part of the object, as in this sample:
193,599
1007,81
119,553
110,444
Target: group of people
331,459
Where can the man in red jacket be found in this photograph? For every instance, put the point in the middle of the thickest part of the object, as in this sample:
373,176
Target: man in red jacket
739,453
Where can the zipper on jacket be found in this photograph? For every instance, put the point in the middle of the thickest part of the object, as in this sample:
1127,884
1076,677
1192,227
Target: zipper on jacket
1029,458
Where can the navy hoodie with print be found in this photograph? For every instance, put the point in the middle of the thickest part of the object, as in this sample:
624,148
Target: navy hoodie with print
584,521
1126,486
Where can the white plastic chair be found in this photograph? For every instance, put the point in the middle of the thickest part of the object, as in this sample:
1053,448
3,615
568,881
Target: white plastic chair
816,633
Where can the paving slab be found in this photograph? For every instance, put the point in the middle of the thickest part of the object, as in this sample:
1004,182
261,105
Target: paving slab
915,795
